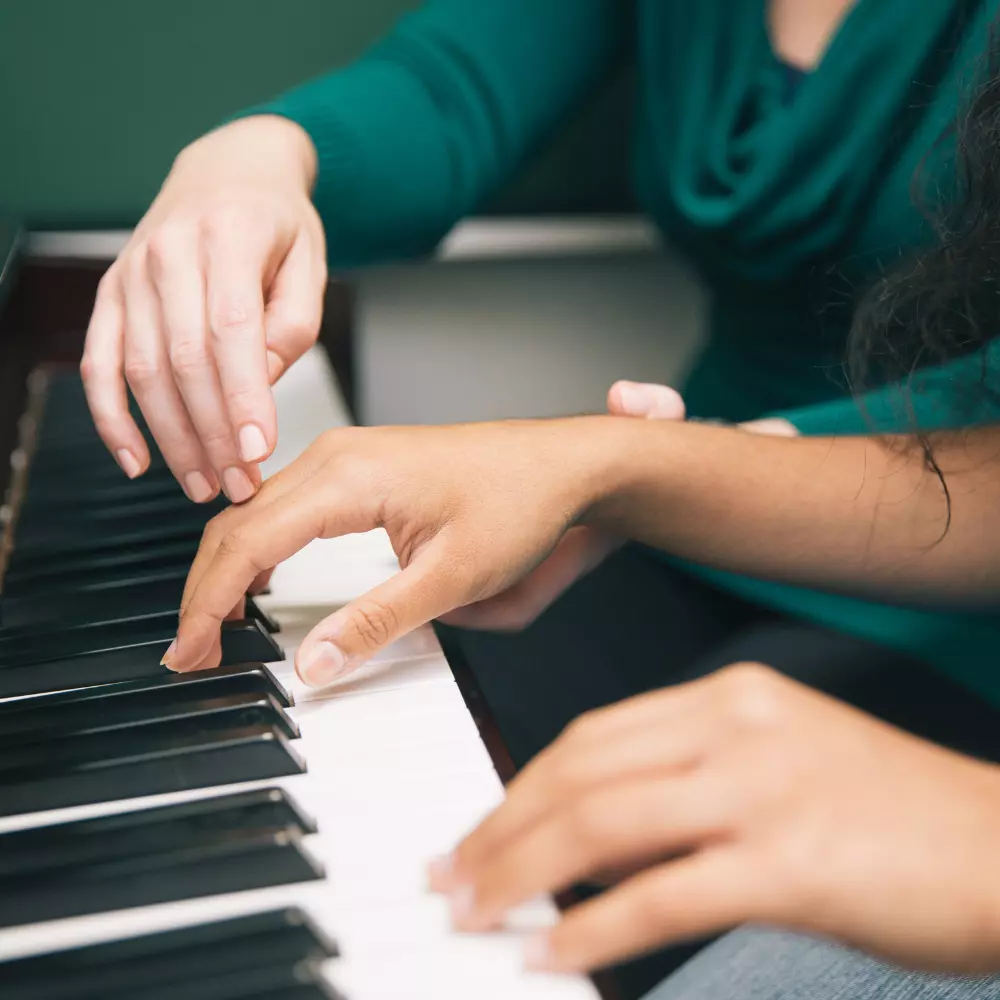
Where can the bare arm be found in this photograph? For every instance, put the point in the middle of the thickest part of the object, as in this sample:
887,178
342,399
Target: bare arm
861,514
473,509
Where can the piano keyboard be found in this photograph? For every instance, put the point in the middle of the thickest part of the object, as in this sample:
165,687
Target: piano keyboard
230,835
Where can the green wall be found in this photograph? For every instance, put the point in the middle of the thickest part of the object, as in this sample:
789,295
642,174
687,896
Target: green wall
98,96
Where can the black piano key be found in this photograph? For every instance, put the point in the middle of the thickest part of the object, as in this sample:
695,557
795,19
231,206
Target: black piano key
234,864
317,989
73,722
126,598
137,730
124,568
35,645
105,528
114,488
154,760
257,613
243,641
133,531
165,688
174,958
102,666
30,645
296,982
38,523
47,849
88,460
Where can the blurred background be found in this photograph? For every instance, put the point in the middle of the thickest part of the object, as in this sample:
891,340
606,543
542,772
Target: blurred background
101,96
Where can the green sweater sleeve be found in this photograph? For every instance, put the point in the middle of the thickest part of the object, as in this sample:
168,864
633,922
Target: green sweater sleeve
961,393
413,135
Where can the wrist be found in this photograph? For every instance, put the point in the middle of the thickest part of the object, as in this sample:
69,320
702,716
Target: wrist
266,143
606,455
649,476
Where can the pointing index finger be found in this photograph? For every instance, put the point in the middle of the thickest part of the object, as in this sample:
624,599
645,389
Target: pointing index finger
247,548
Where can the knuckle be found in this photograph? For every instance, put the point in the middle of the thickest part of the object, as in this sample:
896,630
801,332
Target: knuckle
188,358
246,399
218,527
169,242
232,315
327,439
141,372
218,442
580,730
566,773
107,287
212,532
752,694
134,265
298,330
375,623
589,826
224,221
650,909
88,367
233,542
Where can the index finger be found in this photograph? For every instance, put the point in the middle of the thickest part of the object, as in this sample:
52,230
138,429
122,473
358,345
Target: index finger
663,739
617,824
235,279
277,486
244,548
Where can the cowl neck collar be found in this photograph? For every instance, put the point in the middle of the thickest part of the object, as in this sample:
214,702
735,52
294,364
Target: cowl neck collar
768,183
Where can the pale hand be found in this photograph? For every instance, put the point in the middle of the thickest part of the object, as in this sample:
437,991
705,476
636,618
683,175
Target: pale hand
743,798
218,291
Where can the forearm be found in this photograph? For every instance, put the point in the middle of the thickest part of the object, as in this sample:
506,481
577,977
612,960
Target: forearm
412,136
857,514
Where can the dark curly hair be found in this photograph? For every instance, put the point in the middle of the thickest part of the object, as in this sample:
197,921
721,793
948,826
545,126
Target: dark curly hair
943,303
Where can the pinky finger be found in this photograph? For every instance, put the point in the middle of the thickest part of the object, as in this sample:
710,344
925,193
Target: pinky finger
102,370
696,896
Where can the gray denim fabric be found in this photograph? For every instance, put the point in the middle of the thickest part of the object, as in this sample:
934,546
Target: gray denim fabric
759,964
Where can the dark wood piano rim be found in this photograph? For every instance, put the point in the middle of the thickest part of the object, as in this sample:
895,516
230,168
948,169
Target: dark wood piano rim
44,320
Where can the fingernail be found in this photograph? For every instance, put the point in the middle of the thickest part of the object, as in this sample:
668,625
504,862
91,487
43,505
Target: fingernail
169,655
197,488
634,398
253,445
129,463
237,485
440,871
462,904
538,952
322,664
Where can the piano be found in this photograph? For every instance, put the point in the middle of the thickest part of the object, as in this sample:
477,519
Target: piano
229,835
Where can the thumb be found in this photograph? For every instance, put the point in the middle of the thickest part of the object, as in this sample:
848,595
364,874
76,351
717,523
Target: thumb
645,399
426,589
772,426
